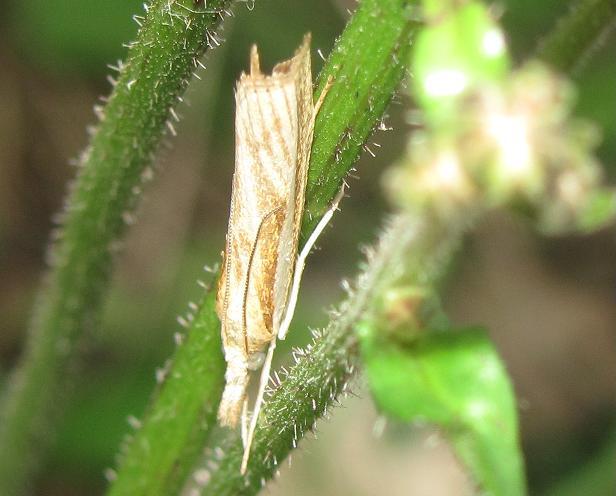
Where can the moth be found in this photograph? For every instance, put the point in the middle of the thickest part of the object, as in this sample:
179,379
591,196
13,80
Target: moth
274,126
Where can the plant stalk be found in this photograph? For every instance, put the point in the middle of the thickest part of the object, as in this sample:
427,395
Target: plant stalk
100,204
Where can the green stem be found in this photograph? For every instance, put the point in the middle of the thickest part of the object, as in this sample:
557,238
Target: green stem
101,201
367,64
159,458
578,33
322,371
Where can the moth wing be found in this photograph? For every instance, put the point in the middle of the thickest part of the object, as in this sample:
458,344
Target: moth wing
260,304
299,69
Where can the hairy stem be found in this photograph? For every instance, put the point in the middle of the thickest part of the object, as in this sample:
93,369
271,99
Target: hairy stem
100,204
578,33
366,65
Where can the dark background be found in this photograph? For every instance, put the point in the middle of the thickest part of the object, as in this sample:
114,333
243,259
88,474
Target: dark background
549,304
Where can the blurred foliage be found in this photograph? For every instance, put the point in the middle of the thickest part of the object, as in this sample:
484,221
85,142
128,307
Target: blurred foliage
595,78
73,36
596,476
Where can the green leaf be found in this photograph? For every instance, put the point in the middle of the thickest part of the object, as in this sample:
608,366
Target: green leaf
457,381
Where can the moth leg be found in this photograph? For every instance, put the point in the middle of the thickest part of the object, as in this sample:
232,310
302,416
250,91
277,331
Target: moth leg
301,263
284,328
265,372
244,422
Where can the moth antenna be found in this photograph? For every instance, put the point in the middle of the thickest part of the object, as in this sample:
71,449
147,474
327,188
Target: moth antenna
244,422
267,365
254,61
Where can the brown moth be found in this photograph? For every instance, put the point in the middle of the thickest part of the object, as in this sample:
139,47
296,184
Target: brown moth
274,126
